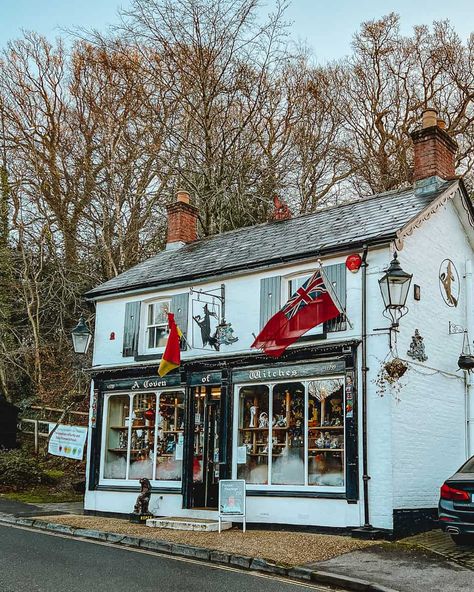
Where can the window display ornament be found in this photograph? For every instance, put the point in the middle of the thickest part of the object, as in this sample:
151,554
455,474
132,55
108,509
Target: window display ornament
417,348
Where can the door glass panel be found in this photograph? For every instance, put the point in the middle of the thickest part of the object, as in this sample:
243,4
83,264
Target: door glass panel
253,434
288,434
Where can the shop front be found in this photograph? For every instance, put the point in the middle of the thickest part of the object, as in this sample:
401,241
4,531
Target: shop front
289,430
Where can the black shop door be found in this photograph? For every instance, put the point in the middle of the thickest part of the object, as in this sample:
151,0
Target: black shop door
205,450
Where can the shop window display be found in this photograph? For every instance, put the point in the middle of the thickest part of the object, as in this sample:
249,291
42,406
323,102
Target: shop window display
144,436
254,433
288,437
326,432
292,433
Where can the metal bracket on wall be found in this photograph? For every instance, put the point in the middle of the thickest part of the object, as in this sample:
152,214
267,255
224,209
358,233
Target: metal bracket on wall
455,329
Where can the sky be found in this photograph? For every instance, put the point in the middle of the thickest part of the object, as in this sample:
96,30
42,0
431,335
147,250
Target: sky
326,26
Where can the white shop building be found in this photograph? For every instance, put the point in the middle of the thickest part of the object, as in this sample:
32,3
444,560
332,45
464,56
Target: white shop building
322,437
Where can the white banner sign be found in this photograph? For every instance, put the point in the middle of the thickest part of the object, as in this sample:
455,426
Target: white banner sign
67,440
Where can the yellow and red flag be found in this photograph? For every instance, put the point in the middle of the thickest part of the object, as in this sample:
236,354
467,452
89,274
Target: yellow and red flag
172,355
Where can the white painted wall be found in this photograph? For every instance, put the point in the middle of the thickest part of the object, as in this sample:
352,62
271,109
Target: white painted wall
428,428
242,310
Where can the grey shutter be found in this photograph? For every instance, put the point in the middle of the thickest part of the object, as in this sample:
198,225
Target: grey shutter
336,275
180,308
270,298
131,328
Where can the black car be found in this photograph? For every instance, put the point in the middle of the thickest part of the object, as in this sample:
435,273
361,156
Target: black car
456,505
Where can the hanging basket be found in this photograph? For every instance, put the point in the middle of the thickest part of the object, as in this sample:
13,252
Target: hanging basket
395,369
466,362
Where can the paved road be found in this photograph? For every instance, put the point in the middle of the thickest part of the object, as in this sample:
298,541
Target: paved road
39,562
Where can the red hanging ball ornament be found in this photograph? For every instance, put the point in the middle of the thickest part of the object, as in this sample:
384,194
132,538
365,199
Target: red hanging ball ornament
149,415
353,262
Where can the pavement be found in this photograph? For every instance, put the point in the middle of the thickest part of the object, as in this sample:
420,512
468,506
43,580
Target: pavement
428,562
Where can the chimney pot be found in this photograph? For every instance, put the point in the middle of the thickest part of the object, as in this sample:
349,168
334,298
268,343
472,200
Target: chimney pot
429,118
441,123
182,196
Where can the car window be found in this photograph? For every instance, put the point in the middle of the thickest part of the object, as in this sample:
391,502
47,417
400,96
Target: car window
468,467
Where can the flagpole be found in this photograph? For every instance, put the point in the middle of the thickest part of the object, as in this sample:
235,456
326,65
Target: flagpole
333,293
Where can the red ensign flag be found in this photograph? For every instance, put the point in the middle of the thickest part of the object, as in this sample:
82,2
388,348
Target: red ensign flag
312,304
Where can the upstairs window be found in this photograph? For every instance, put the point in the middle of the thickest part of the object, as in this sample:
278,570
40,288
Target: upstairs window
157,323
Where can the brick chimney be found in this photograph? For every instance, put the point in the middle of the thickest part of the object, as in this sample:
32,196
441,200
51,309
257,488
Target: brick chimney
182,221
435,151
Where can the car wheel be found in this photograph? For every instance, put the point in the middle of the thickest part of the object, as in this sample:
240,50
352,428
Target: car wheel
463,539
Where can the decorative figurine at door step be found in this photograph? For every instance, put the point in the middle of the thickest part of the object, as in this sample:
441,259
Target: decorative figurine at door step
140,512
417,348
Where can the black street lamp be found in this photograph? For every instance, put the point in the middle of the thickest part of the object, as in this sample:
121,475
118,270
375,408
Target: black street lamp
81,337
394,286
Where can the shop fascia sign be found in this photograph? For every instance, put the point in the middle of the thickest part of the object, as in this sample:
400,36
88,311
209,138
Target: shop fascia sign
136,384
279,373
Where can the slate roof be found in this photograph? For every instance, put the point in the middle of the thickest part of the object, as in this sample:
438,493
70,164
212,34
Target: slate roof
370,220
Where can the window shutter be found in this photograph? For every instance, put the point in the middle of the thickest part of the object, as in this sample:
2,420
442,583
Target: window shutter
336,275
180,308
270,298
131,328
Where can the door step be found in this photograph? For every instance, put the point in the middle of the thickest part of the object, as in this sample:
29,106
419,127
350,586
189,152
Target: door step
188,524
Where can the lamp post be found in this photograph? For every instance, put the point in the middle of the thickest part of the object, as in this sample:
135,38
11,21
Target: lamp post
394,286
81,337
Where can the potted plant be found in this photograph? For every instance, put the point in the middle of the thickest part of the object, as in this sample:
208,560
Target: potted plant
389,376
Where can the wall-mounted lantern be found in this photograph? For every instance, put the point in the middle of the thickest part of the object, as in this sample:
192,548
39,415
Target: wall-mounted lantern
394,287
81,337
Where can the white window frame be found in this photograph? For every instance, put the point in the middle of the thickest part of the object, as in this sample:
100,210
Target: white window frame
157,483
146,327
235,439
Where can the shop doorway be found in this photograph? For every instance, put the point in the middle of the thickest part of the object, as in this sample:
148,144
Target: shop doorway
206,439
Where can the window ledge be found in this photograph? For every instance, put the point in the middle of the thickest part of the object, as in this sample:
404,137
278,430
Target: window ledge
135,488
312,494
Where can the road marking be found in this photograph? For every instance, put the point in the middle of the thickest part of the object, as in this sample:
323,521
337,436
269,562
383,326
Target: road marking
173,557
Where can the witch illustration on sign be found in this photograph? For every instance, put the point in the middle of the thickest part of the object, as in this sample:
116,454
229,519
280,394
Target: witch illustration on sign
204,323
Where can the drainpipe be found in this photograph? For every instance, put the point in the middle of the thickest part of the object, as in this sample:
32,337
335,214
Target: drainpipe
469,403
365,475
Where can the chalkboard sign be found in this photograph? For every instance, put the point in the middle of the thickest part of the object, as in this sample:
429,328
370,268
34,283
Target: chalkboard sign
231,499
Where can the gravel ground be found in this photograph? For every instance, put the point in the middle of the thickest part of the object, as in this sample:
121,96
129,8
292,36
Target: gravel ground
284,548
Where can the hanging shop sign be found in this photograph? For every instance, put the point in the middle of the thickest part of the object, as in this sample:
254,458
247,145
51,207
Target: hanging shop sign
449,282
67,440
231,499
288,372
203,378
139,384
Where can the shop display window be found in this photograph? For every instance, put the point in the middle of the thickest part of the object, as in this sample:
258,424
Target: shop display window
326,432
144,436
288,434
292,433
254,434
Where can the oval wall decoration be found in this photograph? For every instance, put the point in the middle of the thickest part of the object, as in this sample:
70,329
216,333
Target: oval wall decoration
449,282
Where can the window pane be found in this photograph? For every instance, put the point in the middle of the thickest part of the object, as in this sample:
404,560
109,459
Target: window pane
170,429
161,310
253,434
326,432
288,434
117,431
142,436
157,336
